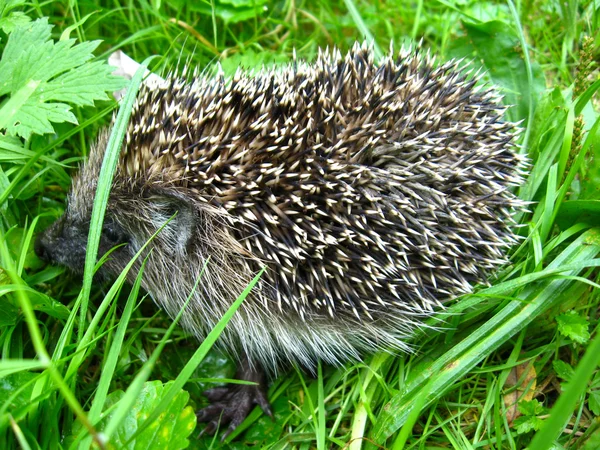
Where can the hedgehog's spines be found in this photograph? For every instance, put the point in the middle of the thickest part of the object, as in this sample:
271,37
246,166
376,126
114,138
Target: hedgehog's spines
372,190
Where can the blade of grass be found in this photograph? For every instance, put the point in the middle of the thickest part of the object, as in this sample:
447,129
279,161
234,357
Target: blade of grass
364,390
38,341
586,97
10,366
530,98
321,418
19,434
109,165
108,368
464,356
363,28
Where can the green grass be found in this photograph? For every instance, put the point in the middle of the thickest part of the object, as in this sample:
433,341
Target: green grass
76,356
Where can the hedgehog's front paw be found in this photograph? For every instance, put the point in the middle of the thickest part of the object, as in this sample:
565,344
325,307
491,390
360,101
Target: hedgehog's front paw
231,404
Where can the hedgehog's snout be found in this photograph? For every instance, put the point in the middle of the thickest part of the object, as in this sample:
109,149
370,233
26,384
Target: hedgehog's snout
41,249
62,243
46,241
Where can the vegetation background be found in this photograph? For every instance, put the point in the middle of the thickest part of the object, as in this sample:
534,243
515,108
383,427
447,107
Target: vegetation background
512,366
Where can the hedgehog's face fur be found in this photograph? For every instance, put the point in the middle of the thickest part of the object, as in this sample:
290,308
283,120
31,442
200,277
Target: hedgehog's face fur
65,242
133,214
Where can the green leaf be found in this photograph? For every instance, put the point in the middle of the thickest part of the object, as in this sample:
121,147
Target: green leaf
17,18
563,370
42,79
231,11
531,408
525,424
495,46
529,420
9,386
573,326
577,211
594,402
170,430
9,310
39,302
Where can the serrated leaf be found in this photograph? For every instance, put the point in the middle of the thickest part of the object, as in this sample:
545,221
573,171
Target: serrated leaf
529,420
594,402
15,19
20,40
563,370
82,85
573,326
525,424
169,431
531,407
44,78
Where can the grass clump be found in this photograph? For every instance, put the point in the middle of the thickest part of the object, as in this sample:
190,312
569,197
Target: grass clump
511,366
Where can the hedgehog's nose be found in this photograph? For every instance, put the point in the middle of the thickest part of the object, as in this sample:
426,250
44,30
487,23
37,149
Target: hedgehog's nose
40,249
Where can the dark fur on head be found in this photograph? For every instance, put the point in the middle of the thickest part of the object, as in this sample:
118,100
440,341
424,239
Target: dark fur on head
372,192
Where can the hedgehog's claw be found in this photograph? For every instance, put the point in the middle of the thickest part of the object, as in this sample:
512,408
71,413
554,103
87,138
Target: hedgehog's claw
231,404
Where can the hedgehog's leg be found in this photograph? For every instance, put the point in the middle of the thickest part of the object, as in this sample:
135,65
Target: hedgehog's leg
232,404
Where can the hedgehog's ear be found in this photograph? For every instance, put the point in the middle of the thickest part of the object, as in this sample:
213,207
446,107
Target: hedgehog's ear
176,214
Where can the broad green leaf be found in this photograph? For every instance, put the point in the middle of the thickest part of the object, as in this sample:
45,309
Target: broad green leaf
11,384
529,420
39,302
495,46
169,431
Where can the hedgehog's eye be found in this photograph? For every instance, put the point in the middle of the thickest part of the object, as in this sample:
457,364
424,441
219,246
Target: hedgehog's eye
113,235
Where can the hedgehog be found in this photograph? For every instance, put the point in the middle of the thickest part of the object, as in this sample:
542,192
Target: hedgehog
371,191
